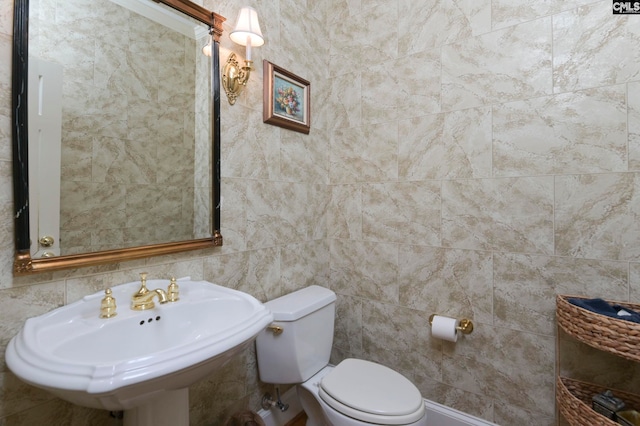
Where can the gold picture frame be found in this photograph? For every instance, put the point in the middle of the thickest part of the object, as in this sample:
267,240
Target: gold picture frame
286,99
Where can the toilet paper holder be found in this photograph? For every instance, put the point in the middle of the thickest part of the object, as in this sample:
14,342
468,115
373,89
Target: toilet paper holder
464,326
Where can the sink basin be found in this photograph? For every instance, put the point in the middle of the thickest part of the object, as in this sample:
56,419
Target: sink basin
129,360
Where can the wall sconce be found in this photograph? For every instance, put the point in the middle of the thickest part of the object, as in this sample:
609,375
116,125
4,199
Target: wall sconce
246,33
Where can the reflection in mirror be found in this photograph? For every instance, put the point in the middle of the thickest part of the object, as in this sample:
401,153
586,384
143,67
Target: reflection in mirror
120,129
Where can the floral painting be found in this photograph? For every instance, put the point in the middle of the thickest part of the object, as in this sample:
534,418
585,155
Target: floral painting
286,99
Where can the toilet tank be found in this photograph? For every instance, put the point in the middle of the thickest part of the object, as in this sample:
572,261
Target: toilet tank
304,346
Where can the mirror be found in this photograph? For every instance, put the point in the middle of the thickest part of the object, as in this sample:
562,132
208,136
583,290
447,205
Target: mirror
109,139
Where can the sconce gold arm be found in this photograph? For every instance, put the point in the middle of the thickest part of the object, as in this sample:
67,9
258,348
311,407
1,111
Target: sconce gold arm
235,77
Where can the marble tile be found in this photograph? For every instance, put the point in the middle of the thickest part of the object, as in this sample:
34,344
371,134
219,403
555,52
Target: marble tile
294,28
505,13
341,10
5,130
510,366
264,274
389,95
587,46
577,132
304,264
6,19
144,122
375,161
175,162
305,158
525,287
77,288
500,66
97,199
480,406
455,144
6,49
228,270
75,50
233,213
634,283
153,206
7,253
226,385
372,277
358,40
595,216
456,283
56,412
344,219
393,335
348,324
427,25
18,397
317,211
76,155
513,214
402,212
252,149
271,219
124,162
21,303
506,413
345,100
633,110
6,187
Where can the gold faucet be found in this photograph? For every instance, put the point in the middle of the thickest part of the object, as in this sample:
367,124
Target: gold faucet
143,298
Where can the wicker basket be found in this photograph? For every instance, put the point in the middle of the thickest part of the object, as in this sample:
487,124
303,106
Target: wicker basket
574,402
608,334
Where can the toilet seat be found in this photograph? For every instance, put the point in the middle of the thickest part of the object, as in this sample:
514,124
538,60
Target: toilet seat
372,393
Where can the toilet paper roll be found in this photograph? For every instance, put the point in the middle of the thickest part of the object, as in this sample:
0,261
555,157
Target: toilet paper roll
444,328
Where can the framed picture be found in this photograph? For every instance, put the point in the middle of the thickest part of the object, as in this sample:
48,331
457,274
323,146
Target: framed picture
286,100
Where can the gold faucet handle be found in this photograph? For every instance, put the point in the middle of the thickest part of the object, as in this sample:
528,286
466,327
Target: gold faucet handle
173,292
108,305
143,278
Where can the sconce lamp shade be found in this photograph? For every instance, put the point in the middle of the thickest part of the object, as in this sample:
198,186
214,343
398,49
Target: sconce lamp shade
247,29
206,50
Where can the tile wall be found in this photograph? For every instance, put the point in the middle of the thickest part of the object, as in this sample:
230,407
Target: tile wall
482,160
470,158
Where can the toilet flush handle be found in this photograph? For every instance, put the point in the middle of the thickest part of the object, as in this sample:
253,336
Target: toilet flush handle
277,330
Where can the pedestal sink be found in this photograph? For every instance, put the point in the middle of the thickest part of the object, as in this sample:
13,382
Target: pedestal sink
141,362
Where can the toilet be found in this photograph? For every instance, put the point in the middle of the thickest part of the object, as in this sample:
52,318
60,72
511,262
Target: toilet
296,348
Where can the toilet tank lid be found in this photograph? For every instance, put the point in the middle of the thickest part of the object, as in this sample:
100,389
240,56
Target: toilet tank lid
298,304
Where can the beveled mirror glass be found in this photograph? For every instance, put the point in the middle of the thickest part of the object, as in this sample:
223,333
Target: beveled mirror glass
116,131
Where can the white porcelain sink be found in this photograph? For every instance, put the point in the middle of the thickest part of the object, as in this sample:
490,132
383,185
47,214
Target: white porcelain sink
136,357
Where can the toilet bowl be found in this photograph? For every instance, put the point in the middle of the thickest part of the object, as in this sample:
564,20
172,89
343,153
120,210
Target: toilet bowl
340,394
354,392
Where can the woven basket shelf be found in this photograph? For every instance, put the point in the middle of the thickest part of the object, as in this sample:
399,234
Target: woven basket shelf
612,335
574,402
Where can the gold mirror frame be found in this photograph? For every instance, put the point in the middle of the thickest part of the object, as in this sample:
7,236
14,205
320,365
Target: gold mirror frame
23,263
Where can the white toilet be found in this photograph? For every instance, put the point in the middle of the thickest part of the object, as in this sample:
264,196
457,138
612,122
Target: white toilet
355,392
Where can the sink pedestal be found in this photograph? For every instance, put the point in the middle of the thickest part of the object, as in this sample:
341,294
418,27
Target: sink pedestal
169,408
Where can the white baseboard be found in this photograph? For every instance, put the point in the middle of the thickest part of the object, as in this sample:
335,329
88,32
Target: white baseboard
437,414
